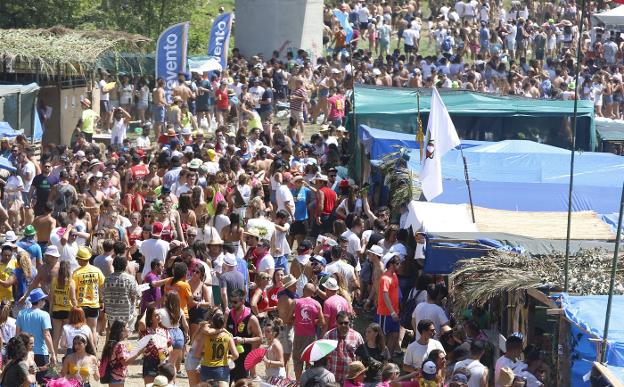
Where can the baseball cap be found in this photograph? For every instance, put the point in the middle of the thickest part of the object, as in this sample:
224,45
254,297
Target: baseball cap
429,370
320,259
157,228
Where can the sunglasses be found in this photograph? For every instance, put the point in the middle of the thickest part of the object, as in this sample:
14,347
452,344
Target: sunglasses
344,323
147,215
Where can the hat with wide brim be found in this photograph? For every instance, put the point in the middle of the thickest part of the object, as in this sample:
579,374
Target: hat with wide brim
86,102
289,281
159,381
252,232
83,254
356,369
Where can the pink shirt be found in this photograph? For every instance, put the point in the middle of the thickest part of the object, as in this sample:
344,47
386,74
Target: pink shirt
331,307
307,311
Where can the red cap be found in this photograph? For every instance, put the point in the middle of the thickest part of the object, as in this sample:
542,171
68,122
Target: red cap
157,228
287,176
343,183
140,152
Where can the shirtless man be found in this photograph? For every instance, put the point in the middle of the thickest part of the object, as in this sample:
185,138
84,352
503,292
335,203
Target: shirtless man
152,177
182,90
286,309
94,197
159,105
48,270
43,225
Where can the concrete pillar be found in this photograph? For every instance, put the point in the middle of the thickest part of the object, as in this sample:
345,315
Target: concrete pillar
263,26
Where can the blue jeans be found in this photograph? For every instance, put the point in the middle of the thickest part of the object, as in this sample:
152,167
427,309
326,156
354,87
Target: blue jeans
216,374
177,337
282,261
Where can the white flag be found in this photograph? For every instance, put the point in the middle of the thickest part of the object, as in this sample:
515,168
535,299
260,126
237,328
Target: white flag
441,138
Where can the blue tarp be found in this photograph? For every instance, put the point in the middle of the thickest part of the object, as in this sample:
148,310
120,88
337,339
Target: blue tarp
587,313
516,175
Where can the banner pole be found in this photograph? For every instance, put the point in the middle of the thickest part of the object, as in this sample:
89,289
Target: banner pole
467,178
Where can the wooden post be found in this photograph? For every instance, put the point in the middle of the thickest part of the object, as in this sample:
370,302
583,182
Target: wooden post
563,353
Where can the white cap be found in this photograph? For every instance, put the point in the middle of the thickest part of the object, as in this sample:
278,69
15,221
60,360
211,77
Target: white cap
52,250
376,249
331,284
303,259
10,236
229,259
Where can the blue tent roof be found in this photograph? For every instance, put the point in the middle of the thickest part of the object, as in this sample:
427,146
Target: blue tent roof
516,174
587,313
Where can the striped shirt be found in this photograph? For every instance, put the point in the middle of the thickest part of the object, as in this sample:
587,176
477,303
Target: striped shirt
296,104
120,293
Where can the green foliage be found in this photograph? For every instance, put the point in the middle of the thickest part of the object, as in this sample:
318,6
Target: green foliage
145,17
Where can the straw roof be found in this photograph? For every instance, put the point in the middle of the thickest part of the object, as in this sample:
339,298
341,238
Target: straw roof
59,49
476,281
543,225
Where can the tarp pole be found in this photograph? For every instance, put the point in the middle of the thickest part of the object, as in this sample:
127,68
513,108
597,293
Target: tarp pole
467,178
614,262
574,119
19,110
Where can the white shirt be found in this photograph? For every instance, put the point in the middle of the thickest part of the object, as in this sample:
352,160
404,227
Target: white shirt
342,267
476,371
283,196
69,332
256,92
153,249
354,245
266,264
29,168
280,240
143,142
221,221
410,36
363,15
416,353
433,312
7,330
103,96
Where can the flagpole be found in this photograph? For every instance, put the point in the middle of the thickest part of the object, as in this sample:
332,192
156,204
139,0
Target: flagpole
572,150
614,263
467,178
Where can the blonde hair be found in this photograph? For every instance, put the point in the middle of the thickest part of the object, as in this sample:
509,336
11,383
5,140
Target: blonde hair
23,259
343,290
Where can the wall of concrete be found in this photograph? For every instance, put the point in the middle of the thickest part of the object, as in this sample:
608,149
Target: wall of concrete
263,26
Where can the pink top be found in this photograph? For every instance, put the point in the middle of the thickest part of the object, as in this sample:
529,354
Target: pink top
331,307
349,383
307,311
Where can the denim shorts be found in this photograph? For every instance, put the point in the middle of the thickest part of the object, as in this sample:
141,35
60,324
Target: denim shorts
216,374
282,262
158,113
177,337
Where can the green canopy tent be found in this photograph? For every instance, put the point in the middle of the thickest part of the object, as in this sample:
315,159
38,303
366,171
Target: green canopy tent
477,116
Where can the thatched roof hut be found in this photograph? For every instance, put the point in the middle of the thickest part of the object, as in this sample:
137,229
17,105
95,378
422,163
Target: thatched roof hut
477,281
58,50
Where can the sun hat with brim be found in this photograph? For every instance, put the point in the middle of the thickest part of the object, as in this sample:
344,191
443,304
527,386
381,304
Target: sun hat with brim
171,132
297,178
289,281
36,295
159,381
195,164
331,284
506,377
10,236
229,259
52,251
320,177
376,249
215,240
94,162
83,254
356,369
29,230
252,232
86,102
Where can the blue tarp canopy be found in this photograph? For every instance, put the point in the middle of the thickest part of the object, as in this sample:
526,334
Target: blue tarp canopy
518,175
587,314
445,249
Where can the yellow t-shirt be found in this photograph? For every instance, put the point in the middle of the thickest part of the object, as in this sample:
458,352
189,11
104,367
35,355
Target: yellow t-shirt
216,350
89,279
88,120
6,271
60,296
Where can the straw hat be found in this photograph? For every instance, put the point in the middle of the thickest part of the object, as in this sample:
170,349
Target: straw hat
289,281
356,369
506,377
84,254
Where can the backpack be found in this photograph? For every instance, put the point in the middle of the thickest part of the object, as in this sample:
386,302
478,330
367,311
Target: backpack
106,371
405,314
446,44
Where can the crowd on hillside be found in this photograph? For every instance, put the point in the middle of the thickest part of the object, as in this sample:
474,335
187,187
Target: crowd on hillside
224,229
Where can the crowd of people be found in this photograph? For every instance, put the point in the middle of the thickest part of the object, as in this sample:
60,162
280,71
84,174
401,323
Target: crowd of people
217,223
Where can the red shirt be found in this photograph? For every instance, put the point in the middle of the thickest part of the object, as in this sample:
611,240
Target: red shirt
223,102
139,171
330,200
388,283
272,294
336,106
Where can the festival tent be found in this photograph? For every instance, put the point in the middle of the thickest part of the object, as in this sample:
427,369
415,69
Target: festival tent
18,112
587,317
611,18
444,249
478,116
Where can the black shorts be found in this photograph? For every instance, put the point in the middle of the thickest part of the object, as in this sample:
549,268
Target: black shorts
408,48
196,315
91,312
150,366
364,25
299,227
60,314
105,106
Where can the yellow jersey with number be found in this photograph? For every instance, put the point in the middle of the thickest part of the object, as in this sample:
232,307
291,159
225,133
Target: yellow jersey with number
61,300
6,271
216,350
89,280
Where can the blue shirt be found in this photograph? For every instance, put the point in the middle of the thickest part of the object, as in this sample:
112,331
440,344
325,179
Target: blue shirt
171,177
33,249
301,203
35,322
